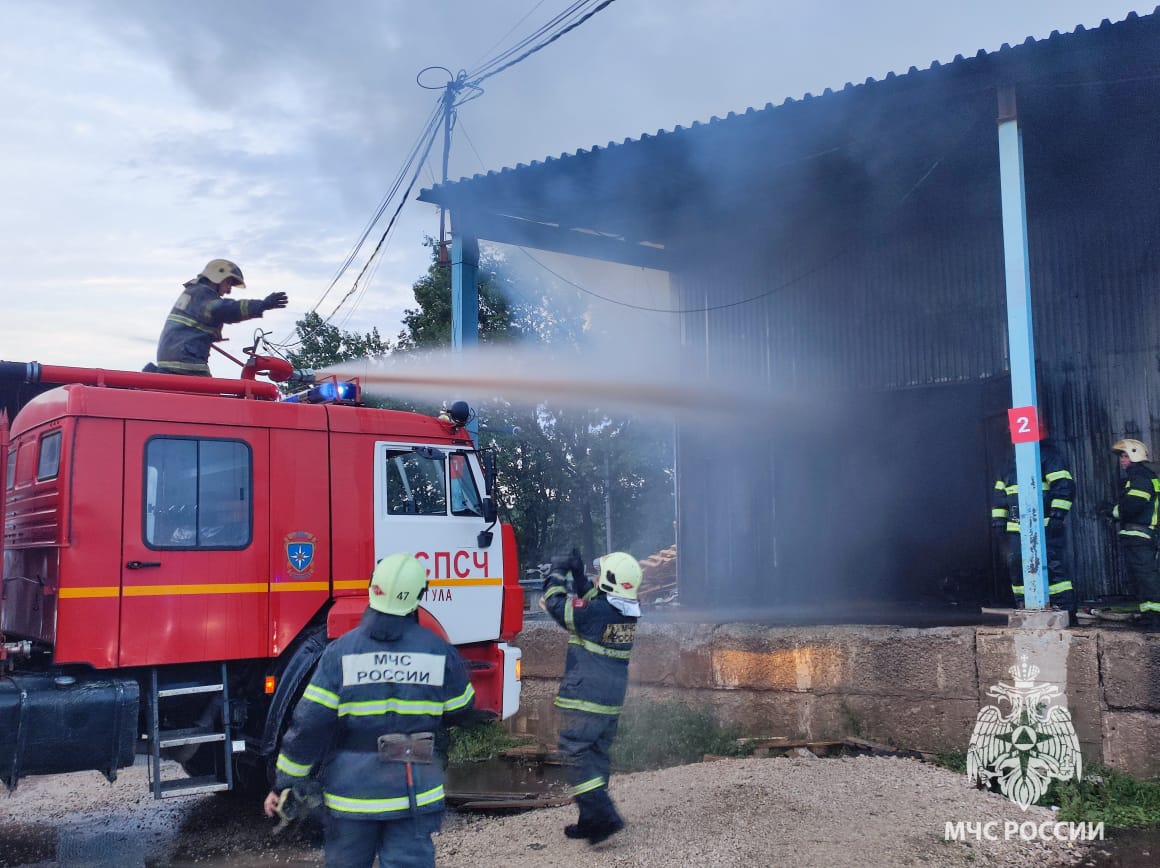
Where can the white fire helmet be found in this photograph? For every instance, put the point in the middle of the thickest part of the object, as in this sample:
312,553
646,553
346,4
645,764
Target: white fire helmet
1134,449
217,270
618,573
397,584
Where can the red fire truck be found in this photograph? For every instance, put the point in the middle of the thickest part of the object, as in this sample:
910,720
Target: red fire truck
178,551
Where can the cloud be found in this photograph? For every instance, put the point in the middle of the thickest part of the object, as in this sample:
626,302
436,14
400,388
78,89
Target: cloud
144,137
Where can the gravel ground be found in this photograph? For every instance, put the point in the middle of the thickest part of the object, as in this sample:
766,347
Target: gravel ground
806,812
800,812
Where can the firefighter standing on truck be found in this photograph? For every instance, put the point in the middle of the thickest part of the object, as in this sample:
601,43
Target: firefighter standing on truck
196,320
373,715
1058,493
601,622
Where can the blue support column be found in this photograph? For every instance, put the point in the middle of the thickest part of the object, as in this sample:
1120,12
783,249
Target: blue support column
465,301
1021,349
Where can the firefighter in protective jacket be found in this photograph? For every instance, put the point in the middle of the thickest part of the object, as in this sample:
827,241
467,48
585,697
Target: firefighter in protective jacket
373,717
1137,510
1058,493
197,317
601,622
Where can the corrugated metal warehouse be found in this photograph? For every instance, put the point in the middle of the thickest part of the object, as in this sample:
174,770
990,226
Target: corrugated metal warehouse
848,248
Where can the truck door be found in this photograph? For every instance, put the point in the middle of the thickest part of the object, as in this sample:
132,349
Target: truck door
9,478
195,568
427,502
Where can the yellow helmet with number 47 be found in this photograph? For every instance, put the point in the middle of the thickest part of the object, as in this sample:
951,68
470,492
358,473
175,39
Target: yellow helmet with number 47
618,573
397,584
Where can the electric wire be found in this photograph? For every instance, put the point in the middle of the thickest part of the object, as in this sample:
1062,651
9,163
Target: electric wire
422,145
559,19
559,25
480,77
391,223
839,253
511,29
424,136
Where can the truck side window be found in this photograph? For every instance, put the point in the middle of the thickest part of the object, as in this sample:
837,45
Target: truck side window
48,464
464,495
198,494
416,482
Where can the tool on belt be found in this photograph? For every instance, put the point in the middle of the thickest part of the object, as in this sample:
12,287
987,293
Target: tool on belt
296,802
408,748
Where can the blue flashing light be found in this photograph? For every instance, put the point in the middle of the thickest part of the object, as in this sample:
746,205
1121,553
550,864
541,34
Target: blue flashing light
328,392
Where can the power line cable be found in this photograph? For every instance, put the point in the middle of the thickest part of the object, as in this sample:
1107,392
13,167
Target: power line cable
820,266
452,92
479,78
425,136
512,29
391,223
422,144
544,29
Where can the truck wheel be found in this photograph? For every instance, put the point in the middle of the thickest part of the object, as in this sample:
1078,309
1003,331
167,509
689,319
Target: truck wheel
253,775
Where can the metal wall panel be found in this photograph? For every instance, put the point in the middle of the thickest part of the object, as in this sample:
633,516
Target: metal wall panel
923,310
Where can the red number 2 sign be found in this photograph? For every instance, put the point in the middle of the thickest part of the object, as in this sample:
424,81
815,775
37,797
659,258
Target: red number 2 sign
1024,423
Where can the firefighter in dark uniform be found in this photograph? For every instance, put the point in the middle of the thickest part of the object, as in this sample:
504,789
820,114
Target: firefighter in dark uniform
1137,510
1058,492
201,310
373,717
601,622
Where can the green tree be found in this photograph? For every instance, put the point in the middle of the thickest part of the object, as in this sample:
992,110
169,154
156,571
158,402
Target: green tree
556,466
428,326
321,344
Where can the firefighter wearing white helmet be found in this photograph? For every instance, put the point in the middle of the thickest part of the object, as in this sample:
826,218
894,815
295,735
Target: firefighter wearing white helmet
601,620
1136,512
373,719
197,317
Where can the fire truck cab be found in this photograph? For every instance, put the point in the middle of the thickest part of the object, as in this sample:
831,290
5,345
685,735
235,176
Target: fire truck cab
178,551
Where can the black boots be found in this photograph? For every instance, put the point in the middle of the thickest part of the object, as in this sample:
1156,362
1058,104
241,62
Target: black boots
595,832
604,829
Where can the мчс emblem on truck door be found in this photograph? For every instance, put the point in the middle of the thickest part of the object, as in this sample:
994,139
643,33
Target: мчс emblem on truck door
300,554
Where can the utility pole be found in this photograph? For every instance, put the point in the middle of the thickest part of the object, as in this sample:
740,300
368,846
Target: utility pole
449,94
607,506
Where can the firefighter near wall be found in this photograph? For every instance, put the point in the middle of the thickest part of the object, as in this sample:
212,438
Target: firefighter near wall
178,552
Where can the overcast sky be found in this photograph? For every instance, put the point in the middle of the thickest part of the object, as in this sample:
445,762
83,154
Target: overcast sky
142,138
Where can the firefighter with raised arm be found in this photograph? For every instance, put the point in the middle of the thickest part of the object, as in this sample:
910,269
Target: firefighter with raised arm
601,622
372,718
197,317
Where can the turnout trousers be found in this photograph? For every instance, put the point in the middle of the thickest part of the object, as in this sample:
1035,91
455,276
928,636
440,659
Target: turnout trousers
585,739
402,843
1142,573
1059,589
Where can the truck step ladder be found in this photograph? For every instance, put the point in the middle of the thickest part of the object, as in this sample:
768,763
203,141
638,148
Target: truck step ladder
217,731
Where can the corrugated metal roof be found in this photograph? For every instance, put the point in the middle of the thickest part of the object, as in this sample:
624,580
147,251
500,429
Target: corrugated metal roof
797,210
1015,62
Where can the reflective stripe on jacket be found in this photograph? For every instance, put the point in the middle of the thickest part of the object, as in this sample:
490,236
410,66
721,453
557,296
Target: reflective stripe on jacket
195,322
599,645
1138,505
1058,489
388,675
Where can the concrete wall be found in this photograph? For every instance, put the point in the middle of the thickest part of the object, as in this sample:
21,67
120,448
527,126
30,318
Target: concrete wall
910,688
